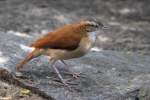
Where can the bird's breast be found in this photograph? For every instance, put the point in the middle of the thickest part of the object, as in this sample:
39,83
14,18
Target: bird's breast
87,43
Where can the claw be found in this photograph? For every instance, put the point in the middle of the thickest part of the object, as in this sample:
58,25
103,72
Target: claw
76,75
65,81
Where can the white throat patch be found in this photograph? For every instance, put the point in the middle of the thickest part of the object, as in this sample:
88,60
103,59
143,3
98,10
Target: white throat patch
93,35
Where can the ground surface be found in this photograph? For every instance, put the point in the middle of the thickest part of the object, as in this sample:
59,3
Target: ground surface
11,92
107,75
110,73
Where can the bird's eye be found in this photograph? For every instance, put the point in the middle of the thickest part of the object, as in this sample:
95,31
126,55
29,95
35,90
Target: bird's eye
94,25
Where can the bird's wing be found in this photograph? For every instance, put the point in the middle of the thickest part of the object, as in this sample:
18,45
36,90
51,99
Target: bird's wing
57,40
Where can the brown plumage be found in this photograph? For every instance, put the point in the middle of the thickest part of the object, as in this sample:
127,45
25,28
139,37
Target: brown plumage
67,37
67,42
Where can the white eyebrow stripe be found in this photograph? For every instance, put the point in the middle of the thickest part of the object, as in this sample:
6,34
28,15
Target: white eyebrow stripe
92,23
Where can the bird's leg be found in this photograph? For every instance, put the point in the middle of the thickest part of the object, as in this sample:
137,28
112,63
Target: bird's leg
75,75
64,62
65,82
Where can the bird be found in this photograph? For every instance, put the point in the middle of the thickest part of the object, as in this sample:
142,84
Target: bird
67,42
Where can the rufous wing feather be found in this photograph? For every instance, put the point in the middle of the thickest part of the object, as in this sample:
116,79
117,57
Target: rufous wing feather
62,39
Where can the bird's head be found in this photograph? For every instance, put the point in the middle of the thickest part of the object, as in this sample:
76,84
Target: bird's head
91,25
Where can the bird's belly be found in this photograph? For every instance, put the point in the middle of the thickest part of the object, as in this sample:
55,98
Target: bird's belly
84,46
64,54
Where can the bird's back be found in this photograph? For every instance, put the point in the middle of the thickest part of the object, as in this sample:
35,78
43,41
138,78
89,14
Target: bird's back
67,37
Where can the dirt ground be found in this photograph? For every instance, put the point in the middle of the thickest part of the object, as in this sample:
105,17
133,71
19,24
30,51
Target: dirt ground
11,92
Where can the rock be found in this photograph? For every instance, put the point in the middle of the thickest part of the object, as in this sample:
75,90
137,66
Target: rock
107,75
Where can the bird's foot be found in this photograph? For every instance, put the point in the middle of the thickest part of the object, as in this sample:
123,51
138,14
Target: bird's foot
65,82
76,75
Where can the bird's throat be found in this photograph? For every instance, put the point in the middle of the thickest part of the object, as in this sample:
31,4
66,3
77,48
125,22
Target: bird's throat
92,35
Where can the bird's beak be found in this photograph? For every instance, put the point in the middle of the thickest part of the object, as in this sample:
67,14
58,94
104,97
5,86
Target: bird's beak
105,28
102,29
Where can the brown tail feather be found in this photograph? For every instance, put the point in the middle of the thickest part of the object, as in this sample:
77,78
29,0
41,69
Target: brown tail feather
30,56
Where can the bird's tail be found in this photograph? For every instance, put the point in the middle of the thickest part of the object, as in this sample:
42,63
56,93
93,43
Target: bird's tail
30,56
